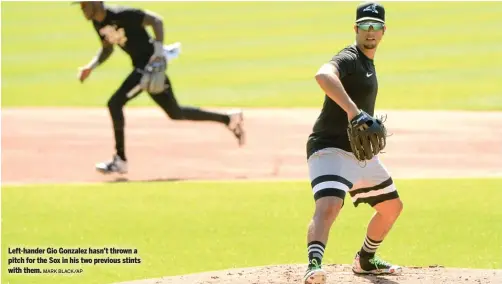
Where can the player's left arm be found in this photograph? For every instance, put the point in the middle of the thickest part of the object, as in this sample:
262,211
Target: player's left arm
157,24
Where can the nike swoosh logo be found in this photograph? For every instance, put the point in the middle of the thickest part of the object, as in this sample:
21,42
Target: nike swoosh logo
369,74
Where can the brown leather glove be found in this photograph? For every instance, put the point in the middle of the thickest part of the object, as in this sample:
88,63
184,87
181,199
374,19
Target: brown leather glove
367,136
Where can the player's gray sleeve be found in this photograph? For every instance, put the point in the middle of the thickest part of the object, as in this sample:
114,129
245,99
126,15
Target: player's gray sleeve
344,62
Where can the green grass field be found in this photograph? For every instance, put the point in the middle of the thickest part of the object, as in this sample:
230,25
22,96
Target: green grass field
189,227
435,55
251,54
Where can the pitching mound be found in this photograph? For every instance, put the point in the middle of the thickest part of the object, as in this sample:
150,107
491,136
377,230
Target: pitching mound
283,274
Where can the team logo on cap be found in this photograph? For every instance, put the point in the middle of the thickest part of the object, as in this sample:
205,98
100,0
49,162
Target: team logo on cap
371,8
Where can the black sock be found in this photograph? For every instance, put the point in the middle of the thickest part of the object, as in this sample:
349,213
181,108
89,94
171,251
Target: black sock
192,113
369,248
316,252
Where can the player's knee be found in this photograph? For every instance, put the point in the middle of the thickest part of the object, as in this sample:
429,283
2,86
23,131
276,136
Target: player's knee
398,207
327,208
115,108
175,115
173,111
114,104
391,209
176,112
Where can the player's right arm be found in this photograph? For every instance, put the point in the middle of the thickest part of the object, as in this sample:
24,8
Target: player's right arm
103,54
328,78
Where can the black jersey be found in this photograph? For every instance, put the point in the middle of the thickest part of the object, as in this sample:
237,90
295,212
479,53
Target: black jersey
123,26
358,77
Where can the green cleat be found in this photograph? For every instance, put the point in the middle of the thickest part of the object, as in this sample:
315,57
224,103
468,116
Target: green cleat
374,266
315,274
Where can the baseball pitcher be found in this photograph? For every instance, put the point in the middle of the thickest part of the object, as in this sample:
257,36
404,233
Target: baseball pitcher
343,148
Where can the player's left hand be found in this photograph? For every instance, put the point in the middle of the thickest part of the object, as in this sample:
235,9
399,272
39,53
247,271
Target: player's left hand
367,136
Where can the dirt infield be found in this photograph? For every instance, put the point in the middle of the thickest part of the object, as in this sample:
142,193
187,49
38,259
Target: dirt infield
283,274
63,145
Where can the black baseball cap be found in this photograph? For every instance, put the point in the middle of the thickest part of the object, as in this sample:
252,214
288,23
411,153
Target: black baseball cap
370,11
